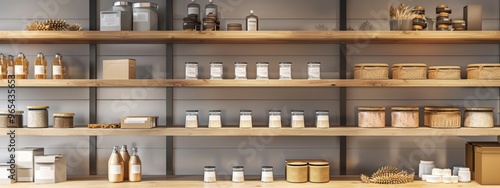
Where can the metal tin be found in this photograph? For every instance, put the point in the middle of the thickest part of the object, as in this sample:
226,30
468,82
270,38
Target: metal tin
145,16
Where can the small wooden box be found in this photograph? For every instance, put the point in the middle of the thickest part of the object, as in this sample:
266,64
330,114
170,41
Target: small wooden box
119,69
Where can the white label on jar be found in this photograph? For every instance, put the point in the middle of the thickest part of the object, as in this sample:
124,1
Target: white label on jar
191,118
267,176
193,10
297,118
246,118
262,72
313,72
209,10
275,118
209,177
323,118
136,169
56,70
285,72
135,120
214,118
110,20
39,70
252,24
115,169
191,72
240,72
10,70
19,70
238,177
215,72
141,17
44,173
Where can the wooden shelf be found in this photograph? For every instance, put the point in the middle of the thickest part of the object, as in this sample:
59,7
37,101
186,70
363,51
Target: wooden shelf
336,131
258,37
251,83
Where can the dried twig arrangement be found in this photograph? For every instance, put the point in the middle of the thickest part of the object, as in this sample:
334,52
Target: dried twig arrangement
402,12
53,25
389,175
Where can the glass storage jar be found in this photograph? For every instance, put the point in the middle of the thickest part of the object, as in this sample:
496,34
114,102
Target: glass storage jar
267,174
209,175
214,119
38,117
246,119
126,8
371,116
145,16
404,117
285,70
238,174
216,70
314,70
322,119
191,118
191,70
240,70
274,118
63,120
298,119
15,122
262,71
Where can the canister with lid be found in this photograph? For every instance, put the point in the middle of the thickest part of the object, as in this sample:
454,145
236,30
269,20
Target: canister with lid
214,119
298,119
209,174
191,118
238,174
409,71
262,71
145,16
191,70
296,171
314,70
444,72
240,70
483,71
216,70
11,120
63,120
479,117
371,116
322,119
371,71
442,117
285,70
126,8
404,117
267,174
246,119
38,117
319,171
274,118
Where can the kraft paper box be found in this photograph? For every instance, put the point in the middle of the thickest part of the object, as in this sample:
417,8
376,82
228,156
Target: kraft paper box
50,169
25,156
119,69
470,155
139,122
5,173
487,163
24,174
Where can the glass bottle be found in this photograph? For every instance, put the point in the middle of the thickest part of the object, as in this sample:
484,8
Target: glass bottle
40,67
10,66
21,66
3,66
211,8
115,167
58,69
252,22
135,167
126,158
194,9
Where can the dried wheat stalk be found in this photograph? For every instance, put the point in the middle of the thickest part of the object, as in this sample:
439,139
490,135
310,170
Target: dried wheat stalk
388,175
402,12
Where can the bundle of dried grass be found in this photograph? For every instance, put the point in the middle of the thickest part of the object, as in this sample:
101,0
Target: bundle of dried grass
402,12
53,25
389,175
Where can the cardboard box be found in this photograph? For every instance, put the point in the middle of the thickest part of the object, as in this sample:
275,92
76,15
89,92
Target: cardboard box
470,155
473,16
118,69
487,163
50,169
139,122
5,174
25,157
24,175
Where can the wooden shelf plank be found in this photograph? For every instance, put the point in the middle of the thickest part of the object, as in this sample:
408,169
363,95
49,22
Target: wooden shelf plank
336,131
251,83
258,37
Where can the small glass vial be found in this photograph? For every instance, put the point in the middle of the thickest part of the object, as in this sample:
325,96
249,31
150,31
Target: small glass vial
245,119
267,174
38,117
238,174
191,70
214,119
298,119
3,66
314,71
63,120
21,66
216,70
252,22
191,118
58,69
240,70
262,70
464,175
285,70
10,66
209,174
274,118
40,66
322,119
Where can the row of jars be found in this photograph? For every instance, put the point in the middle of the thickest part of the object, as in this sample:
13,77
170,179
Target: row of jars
436,117
38,117
238,175
20,67
297,119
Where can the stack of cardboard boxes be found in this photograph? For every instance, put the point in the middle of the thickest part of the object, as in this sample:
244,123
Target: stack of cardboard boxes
483,159
33,166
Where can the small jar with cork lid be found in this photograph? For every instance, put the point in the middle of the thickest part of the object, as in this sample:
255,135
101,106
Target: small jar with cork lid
371,116
319,171
11,120
296,171
63,120
38,116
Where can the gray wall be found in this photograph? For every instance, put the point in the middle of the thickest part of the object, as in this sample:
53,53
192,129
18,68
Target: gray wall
365,154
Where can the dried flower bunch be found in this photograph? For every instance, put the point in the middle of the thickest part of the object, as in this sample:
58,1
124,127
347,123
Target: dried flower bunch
402,12
389,175
53,25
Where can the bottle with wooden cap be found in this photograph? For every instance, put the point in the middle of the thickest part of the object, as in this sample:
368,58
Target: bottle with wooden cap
10,66
40,66
115,167
252,22
58,69
21,66
126,158
135,167
3,66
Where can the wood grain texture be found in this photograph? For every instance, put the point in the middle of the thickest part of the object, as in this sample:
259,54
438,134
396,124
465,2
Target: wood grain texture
257,37
335,131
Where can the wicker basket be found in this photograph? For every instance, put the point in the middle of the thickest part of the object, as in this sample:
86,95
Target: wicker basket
371,71
444,72
483,71
479,117
404,117
371,117
442,117
409,71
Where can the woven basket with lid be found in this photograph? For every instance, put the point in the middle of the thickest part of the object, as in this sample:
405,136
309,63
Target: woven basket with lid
480,117
371,71
444,72
371,117
483,71
404,117
409,71
442,117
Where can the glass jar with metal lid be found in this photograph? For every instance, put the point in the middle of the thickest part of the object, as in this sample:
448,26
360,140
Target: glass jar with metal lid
214,118
296,171
216,70
240,70
15,122
126,8
145,16
238,174
38,116
322,119
209,175
285,70
267,174
319,171
371,116
479,117
298,119
404,117
314,70
409,71
63,120
274,118
444,72
191,71
442,117
262,71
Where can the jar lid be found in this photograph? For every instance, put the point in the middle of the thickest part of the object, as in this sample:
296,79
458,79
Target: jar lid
444,67
38,107
405,108
442,6
372,108
209,167
238,167
314,63
318,163
286,63
267,167
458,21
122,3
64,114
6,112
262,63
296,163
479,109
250,111
216,63
234,25
145,5
193,63
274,110
240,63
409,65
441,109
371,65
483,65
215,111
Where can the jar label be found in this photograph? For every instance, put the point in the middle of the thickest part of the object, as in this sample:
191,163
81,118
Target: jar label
275,118
141,17
191,118
214,118
313,72
323,118
241,72
115,169
252,24
267,176
246,118
209,10
56,70
110,20
10,70
297,118
193,10
19,70
262,72
216,72
285,72
135,169
39,70
238,176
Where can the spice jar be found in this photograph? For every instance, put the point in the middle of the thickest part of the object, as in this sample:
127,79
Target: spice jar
478,117
191,118
58,67
404,117
285,70
442,117
245,119
238,174
371,117
296,171
38,116
145,16
322,119
314,70
216,70
298,119
63,120
274,118
209,175
17,119
319,171
267,174
262,71
209,24
191,70
214,119
240,70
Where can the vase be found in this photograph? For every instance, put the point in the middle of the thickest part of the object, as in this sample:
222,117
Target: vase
401,25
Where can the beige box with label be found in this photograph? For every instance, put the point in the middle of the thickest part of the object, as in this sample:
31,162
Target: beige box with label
50,169
139,122
119,69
